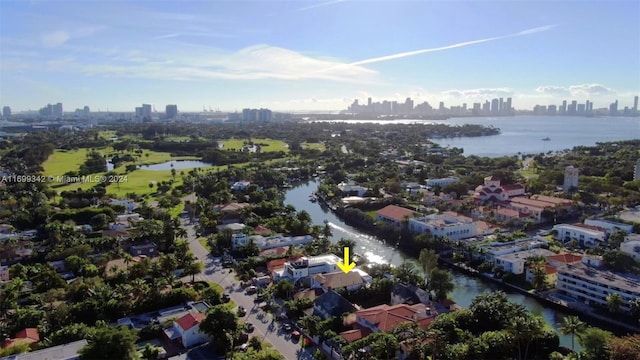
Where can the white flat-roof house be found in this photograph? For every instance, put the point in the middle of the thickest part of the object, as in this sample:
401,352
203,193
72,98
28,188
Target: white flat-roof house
442,182
515,262
279,240
239,240
592,285
610,226
444,225
495,249
631,248
586,235
307,266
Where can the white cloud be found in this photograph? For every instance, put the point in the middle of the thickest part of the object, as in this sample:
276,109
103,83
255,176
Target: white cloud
552,90
589,90
55,38
580,91
483,93
251,63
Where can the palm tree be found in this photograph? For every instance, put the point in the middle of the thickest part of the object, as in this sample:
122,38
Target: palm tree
615,302
572,325
525,328
539,280
127,259
635,309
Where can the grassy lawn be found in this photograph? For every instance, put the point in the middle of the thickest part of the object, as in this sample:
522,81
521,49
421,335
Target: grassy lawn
177,210
203,241
268,145
371,213
63,161
528,174
314,146
230,305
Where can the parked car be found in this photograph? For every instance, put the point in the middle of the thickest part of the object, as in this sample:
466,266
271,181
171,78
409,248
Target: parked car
295,334
249,327
226,297
243,347
287,327
242,311
251,289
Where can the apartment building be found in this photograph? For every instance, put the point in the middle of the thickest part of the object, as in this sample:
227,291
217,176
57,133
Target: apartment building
592,285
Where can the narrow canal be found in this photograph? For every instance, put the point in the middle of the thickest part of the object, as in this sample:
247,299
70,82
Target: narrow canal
376,251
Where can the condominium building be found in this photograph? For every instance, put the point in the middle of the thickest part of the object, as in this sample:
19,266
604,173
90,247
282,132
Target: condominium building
592,285
446,225
586,235
610,226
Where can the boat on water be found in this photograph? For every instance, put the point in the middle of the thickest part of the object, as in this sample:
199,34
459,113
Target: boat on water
546,139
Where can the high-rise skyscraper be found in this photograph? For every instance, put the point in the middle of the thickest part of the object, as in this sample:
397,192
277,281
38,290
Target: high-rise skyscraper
563,108
501,105
613,108
508,107
495,106
6,112
171,111
146,110
57,110
635,104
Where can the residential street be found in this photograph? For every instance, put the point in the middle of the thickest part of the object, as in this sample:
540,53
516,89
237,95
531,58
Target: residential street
265,327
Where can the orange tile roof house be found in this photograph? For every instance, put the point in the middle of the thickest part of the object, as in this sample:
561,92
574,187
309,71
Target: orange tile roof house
394,214
385,318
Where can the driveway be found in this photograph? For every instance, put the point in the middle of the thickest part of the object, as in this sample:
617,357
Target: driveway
265,326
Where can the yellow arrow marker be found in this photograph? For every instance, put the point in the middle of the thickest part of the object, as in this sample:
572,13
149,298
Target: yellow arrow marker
346,265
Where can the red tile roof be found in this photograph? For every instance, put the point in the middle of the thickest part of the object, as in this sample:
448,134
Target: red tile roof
357,334
548,269
513,187
552,199
565,258
28,333
190,320
394,212
386,318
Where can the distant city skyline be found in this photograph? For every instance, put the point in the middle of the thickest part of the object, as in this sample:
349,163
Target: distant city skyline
316,56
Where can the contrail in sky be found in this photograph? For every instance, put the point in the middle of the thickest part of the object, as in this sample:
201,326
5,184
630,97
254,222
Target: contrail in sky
462,44
319,5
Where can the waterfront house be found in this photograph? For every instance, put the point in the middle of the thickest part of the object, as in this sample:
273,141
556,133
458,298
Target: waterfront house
492,250
394,215
587,236
550,273
515,262
385,318
338,280
307,266
332,304
408,294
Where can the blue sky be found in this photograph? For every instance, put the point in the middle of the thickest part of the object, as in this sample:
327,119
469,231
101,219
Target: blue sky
315,55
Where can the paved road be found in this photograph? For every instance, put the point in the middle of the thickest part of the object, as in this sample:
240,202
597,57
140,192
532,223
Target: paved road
265,328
